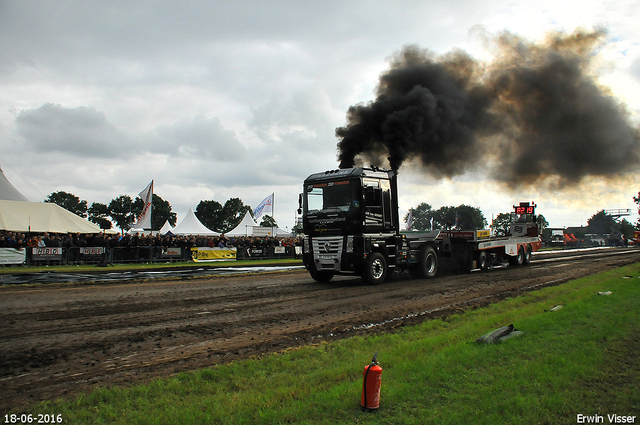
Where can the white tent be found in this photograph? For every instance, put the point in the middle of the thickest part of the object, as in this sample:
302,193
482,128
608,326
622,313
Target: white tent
166,228
283,233
245,228
8,192
190,225
18,216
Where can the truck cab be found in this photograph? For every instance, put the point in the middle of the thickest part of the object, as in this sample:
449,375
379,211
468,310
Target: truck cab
348,214
353,200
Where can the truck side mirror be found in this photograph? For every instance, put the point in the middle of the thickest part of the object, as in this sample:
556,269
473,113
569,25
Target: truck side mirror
299,203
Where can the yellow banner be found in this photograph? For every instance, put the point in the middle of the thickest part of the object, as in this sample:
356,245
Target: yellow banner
483,233
211,254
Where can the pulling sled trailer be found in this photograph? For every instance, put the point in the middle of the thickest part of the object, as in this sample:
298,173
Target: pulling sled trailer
351,226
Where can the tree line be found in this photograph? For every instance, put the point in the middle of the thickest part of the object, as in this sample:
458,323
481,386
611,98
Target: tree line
123,212
462,217
467,217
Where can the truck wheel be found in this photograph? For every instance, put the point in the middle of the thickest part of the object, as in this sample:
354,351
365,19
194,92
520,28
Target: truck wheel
527,255
322,277
518,260
482,261
427,263
375,270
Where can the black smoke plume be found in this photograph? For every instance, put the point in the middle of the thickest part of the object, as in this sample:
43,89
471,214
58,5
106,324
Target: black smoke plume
535,112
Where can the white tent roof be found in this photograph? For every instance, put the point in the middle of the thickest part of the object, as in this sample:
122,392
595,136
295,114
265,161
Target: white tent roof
18,216
166,227
283,233
8,192
245,228
190,225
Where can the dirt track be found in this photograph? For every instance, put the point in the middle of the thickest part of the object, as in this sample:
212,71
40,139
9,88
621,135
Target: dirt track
59,340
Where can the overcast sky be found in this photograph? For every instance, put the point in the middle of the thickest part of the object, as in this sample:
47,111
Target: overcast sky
220,99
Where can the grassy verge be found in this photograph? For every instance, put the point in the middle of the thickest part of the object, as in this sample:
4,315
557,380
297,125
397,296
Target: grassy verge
581,359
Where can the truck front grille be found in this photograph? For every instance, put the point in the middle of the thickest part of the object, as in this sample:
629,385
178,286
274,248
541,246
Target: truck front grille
327,252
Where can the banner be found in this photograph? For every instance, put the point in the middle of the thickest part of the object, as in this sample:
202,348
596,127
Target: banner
171,251
144,219
98,250
12,256
44,253
212,254
409,223
264,231
266,206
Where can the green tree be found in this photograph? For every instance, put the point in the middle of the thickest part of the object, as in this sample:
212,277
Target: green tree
421,217
268,221
467,217
210,214
99,214
600,223
542,223
160,211
297,229
69,202
501,224
626,228
233,212
221,218
121,212
444,217
470,218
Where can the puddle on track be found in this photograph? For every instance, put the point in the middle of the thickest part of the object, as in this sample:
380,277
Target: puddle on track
56,277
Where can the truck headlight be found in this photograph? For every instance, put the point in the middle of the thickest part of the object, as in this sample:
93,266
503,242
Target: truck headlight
349,247
306,243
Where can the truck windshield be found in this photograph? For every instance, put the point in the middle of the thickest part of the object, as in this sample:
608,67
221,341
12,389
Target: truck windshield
332,196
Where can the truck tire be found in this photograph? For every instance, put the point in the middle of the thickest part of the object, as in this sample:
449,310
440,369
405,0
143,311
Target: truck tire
427,263
321,277
375,269
527,255
483,261
519,259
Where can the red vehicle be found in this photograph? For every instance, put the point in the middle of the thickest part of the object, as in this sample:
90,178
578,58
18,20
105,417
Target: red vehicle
351,226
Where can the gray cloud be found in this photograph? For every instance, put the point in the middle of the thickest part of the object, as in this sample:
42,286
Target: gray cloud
215,94
80,131
200,138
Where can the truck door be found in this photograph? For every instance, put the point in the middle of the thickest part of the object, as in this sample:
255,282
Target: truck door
373,211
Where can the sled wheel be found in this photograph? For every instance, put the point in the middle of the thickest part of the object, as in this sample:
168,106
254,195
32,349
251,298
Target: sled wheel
527,255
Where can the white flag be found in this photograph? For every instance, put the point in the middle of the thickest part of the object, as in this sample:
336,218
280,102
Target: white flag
144,219
409,223
264,207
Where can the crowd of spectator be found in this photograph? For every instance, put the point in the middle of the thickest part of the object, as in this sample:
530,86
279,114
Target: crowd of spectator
70,240
152,243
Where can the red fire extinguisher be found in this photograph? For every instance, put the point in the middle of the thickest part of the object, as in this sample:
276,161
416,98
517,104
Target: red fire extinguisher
372,379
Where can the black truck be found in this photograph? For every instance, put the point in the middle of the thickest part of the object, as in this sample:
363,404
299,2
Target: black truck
351,226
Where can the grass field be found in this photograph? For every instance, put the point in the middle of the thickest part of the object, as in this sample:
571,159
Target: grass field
583,359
